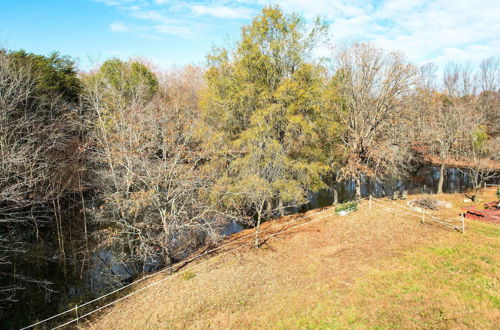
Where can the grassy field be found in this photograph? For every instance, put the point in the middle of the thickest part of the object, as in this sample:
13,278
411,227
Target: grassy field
373,269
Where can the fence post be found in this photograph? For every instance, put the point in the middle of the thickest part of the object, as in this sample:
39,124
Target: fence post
370,201
76,312
463,223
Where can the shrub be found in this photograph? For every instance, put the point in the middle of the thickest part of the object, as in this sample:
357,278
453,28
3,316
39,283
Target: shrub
349,206
188,275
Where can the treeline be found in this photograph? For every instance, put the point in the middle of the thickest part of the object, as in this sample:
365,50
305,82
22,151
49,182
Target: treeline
151,164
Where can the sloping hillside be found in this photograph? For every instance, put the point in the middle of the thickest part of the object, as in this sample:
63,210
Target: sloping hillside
372,268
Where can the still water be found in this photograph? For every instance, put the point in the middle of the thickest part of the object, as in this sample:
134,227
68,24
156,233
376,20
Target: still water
425,180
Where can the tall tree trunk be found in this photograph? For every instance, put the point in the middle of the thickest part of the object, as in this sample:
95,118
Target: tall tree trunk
281,207
335,195
257,226
477,183
257,230
166,254
441,178
358,188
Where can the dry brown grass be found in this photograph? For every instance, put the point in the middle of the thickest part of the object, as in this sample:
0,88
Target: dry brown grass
308,277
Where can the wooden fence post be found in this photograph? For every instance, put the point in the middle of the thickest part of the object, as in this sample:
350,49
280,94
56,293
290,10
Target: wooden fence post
370,201
463,223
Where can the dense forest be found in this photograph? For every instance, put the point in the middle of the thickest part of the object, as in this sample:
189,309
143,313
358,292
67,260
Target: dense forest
150,164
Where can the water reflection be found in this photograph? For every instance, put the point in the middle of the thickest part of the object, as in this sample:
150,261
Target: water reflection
425,180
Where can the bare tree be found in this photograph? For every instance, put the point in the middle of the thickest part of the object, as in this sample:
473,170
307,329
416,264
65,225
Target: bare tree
458,80
420,107
452,115
449,125
39,165
373,88
481,155
488,81
149,169
20,171
480,147
489,74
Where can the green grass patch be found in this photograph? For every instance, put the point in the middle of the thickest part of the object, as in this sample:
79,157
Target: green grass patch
450,284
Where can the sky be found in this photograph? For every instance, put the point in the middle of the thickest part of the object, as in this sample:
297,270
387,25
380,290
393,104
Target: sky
176,32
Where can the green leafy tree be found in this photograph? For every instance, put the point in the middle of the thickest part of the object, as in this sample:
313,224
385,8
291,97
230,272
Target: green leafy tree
265,108
125,83
55,76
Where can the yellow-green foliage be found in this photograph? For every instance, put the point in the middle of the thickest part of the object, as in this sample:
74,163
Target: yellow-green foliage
188,275
122,84
265,99
479,136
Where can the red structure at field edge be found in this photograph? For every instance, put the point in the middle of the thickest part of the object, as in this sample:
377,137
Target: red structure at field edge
491,213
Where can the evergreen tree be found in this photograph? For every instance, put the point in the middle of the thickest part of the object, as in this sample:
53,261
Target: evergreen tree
264,103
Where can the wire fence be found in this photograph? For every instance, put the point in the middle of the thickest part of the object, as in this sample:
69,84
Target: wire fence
457,223
494,186
77,310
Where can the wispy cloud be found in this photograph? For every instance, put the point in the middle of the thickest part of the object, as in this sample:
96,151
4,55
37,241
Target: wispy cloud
151,19
115,2
222,11
148,15
174,30
119,27
426,30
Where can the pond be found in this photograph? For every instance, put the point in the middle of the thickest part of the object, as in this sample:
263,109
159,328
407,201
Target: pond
424,180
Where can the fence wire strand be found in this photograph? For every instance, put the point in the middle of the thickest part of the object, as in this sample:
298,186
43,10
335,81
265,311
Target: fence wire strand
328,213
427,216
173,275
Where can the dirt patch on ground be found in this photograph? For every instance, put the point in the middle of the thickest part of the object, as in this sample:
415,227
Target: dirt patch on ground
296,270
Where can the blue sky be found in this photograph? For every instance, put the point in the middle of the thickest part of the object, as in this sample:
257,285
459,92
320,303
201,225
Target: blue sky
175,32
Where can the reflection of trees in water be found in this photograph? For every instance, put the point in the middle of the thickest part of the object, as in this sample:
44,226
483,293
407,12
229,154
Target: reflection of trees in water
424,180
